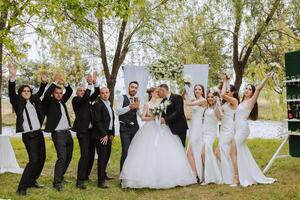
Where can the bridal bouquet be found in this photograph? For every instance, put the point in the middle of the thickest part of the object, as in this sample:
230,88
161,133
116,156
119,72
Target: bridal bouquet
157,110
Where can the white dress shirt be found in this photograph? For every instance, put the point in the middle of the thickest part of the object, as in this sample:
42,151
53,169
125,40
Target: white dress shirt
120,110
111,123
63,123
35,122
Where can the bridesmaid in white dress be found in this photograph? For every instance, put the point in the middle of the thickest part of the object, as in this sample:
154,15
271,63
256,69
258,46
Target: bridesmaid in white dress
212,115
156,157
230,103
195,133
248,171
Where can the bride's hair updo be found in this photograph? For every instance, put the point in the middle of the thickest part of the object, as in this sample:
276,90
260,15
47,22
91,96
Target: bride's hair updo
149,91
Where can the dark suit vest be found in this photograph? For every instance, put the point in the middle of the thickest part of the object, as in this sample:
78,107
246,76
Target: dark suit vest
130,116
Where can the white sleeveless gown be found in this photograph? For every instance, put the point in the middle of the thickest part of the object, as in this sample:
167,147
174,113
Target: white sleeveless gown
225,139
212,173
156,159
249,172
195,137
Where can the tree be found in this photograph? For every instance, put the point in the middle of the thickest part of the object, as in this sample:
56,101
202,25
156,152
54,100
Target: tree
107,28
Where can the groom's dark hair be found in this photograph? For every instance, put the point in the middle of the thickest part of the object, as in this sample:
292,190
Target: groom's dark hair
164,86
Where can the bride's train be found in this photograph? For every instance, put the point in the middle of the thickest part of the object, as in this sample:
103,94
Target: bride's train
156,159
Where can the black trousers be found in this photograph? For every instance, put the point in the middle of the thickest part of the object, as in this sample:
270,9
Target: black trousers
63,143
126,134
103,152
35,147
182,137
87,154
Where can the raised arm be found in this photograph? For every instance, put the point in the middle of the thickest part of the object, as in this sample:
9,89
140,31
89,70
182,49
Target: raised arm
12,84
95,94
67,94
48,93
43,85
255,96
198,102
231,100
144,114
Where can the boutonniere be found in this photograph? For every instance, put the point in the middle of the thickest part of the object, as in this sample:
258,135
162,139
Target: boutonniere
167,103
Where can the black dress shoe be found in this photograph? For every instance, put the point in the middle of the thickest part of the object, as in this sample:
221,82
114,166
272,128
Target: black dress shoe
198,179
81,186
58,187
108,178
102,185
36,185
22,192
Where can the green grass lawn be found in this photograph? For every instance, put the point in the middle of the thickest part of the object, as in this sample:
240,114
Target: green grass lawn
286,170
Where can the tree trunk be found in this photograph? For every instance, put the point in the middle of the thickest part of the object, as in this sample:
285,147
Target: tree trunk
1,58
239,72
111,83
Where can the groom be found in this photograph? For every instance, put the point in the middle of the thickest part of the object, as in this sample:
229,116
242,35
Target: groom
173,116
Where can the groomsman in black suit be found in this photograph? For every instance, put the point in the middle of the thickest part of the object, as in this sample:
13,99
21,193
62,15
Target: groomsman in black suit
28,108
128,107
58,123
103,132
82,106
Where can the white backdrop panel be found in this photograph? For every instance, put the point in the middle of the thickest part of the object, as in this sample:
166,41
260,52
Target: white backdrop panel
198,73
139,74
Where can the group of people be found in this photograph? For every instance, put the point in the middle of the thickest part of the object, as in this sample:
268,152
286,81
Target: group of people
94,126
157,157
154,155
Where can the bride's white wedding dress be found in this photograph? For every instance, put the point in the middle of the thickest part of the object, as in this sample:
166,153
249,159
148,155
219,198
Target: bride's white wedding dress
156,159
249,172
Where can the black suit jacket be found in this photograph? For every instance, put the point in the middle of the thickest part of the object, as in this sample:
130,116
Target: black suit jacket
101,120
174,115
52,107
83,110
19,104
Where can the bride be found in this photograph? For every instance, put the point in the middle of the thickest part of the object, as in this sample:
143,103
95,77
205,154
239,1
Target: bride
156,157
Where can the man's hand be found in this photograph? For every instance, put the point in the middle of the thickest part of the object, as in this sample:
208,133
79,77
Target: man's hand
95,76
104,140
137,103
12,70
58,78
111,138
132,106
89,79
162,121
44,78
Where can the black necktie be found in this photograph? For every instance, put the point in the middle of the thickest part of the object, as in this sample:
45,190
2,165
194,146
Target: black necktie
28,118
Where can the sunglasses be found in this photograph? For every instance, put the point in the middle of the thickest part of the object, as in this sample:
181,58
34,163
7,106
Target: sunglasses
26,91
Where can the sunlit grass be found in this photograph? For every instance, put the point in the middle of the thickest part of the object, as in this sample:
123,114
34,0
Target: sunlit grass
286,170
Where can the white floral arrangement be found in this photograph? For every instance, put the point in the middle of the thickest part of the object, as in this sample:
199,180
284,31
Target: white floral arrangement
187,79
274,66
214,90
157,110
167,69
